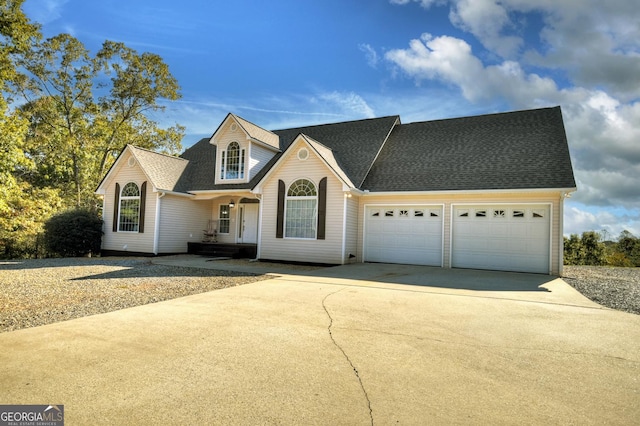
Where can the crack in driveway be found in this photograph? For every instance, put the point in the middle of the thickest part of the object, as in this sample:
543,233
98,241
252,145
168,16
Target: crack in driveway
355,370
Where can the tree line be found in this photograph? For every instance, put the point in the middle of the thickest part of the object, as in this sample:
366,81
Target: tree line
590,249
65,115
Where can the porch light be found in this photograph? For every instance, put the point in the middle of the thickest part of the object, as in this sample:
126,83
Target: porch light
231,204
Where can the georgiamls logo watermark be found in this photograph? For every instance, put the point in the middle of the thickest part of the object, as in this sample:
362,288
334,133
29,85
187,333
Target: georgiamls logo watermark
31,415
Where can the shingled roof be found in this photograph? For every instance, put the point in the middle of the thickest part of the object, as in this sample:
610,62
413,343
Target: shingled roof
514,150
354,144
163,171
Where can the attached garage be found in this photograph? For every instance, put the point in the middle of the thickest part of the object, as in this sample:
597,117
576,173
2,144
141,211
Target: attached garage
501,237
403,234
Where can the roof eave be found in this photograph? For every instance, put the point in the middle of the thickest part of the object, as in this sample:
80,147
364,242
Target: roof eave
472,191
264,144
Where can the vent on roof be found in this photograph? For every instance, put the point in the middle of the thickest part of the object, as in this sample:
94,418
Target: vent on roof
234,127
303,154
131,161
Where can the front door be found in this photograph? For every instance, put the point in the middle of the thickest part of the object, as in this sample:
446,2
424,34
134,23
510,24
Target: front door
248,224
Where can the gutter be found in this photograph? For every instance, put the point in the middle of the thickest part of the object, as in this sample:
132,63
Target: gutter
366,192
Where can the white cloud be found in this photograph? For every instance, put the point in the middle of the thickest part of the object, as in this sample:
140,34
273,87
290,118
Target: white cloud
44,11
486,19
202,116
424,3
594,42
349,103
370,54
451,60
592,50
578,219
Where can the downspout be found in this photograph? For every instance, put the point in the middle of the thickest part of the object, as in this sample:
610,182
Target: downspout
156,231
563,196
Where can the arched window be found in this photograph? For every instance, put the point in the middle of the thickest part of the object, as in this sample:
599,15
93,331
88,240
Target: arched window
232,162
301,211
129,219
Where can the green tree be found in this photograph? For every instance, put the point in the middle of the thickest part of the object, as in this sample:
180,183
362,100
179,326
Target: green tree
584,250
573,250
60,100
594,249
23,208
629,246
65,115
74,134
138,83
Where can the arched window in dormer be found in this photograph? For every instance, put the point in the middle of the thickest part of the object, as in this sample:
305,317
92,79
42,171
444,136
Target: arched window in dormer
232,162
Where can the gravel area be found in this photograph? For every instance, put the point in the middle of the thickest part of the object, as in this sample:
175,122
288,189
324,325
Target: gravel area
43,291
615,288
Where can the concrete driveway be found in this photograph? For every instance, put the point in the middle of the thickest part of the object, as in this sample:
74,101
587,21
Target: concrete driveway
357,344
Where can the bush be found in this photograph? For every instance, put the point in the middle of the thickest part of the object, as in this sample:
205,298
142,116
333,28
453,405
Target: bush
73,233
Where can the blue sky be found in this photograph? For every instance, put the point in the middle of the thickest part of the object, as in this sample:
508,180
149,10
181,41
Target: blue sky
285,63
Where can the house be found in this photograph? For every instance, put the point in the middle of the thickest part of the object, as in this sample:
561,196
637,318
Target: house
482,192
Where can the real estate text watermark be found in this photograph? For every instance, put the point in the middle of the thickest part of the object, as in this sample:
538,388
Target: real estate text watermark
31,415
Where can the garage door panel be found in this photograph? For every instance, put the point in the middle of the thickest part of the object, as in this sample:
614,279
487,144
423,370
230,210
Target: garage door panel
403,234
504,237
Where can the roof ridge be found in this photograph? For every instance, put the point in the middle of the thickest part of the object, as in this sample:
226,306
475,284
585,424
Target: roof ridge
157,153
304,135
396,116
521,111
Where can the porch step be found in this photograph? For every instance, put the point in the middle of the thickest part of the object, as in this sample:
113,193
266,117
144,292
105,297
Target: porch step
236,251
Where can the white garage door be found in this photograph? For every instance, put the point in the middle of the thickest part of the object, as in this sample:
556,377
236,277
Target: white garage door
403,234
506,238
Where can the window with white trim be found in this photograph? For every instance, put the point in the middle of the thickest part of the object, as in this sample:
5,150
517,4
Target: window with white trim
301,210
129,217
224,217
232,162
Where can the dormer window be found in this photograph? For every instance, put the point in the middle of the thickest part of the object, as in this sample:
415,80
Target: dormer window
232,162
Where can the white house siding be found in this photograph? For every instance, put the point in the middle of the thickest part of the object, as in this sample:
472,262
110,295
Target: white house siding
181,221
128,241
258,157
551,198
351,240
328,250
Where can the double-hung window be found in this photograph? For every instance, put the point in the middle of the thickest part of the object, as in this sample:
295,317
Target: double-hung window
224,219
301,212
232,162
129,218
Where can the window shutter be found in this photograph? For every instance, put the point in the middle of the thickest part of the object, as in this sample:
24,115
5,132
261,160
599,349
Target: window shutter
222,164
280,221
322,207
116,208
143,202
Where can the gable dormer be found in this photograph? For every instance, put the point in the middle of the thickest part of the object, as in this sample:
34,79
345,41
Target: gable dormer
242,149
